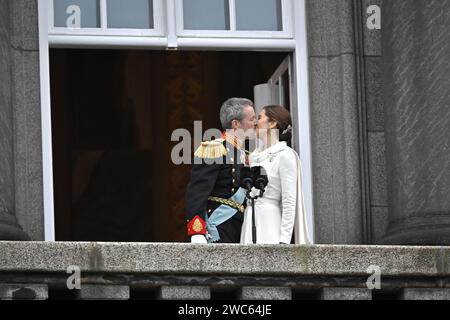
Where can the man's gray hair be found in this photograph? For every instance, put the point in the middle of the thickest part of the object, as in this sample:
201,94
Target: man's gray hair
233,109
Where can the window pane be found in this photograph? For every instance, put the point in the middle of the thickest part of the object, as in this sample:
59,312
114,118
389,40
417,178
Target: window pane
262,15
132,14
206,14
77,13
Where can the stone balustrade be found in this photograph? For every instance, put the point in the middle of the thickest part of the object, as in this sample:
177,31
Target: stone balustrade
178,271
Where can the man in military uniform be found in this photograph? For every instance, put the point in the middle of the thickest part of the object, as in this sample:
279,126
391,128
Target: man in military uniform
214,200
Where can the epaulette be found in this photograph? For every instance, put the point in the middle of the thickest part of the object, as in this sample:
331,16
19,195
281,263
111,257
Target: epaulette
211,149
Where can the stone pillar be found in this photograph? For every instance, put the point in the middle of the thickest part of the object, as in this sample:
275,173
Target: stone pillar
26,106
9,229
377,206
335,123
416,78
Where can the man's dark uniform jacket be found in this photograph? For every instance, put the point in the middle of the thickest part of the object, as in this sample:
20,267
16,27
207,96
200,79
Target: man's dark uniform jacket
216,179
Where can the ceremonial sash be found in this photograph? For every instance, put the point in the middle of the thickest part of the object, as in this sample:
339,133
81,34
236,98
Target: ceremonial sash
222,214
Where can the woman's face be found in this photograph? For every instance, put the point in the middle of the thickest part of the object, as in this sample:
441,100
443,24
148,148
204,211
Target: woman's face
264,124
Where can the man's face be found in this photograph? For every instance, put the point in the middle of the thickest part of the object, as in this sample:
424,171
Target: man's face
248,122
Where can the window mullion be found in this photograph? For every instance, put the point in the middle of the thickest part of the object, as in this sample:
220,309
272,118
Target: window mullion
51,16
172,7
103,15
287,16
232,8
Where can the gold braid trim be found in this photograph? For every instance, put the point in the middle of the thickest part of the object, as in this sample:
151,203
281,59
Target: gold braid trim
229,203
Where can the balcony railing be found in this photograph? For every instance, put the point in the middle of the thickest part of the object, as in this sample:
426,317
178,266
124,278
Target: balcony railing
74,270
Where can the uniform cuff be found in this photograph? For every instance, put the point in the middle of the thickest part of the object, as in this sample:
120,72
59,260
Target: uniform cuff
196,226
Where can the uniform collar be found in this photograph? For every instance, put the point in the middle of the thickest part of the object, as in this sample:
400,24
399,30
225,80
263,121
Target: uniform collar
233,140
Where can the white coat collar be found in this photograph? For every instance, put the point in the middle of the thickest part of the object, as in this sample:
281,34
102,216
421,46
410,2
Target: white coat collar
277,147
271,152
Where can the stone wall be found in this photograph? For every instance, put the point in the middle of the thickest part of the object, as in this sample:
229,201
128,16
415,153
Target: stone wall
416,51
9,229
347,123
39,270
6,111
26,104
376,147
334,122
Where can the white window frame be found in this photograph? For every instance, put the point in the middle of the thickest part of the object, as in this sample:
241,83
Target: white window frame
157,30
302,116
170,40
287,33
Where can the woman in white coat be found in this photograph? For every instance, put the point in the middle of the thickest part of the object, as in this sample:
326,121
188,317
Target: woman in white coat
281,208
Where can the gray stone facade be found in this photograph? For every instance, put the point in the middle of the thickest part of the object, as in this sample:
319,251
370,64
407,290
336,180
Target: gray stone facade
334,122
380,124
9,229
347,115
25,75
416,50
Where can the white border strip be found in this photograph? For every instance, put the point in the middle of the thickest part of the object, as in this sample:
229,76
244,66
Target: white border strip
303,108
46,122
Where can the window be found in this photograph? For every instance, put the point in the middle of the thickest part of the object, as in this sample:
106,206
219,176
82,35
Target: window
106,17
270,19
234,18
77,13
267,18
206,15
132,14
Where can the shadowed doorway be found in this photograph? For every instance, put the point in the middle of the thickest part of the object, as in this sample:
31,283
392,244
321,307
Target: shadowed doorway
113,113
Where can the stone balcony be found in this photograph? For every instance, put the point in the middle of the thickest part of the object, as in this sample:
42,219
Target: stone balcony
38,270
